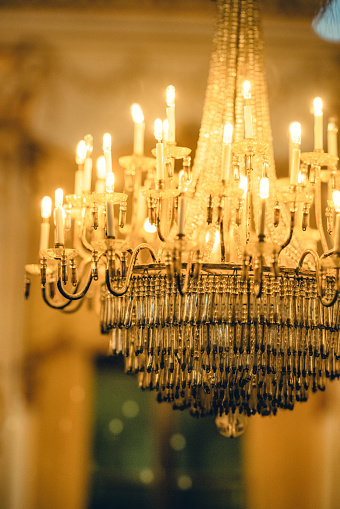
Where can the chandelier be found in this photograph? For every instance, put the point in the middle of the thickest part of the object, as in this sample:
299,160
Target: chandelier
231,316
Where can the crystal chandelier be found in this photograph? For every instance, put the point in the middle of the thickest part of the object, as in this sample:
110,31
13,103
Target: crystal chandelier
231,316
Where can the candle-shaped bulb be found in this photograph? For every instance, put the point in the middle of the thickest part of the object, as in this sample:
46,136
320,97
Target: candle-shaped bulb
318,124
170,113
295,133
138,139
181,180
148,227
170,96
88,139
158,129
59,198
46,207
110,182
81,152
165,130
107,142
137,114
332,137
228,133
244,184
59,216
264,188
246,89
101,167
336,200
317,106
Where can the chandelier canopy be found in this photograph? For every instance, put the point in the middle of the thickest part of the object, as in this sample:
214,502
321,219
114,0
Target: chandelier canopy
232,316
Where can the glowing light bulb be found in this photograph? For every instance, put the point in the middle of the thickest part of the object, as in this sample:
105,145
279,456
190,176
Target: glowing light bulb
336,200
216,241
137,113
318,124
228,133
158,129
110,182
317,106
59,198
332,137
148,227
170,96
46,207
246,89
264,188
81,152
181,180
106,142
101,167
165,130
243,184
88,139
295,132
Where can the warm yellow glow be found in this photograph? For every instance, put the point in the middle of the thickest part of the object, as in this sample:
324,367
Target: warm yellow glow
158,129
302,179
295,132
336,199
88,139
228,133
332,127
81,152
181,180
165,129
243,184
59,198
148,227
46,207
264,188
110,181
101,167
107,141
317,106
246,89
170,96
216,241
137,113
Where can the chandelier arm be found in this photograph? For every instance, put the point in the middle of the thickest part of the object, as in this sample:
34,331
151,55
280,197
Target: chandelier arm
258,280
183,288
49,303
291,231
79,245
315,257
74,309
73,296
318,211
158,223
325,302
222,242
84,240
119,293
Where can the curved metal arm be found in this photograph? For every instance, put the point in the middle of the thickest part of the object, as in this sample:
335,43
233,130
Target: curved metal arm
73,296
183,288
122,291
49,303
222,244
258,273
291,230
325,302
